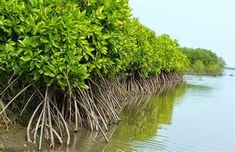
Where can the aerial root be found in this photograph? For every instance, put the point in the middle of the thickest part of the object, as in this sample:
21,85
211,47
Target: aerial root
97,108
5,122
50,123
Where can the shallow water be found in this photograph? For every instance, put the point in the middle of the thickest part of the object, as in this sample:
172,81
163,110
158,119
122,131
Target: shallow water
196,116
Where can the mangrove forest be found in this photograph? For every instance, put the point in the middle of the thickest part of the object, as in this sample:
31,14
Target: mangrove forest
66,65
203,61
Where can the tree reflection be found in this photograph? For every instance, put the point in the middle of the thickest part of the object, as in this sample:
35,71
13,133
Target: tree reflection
141,122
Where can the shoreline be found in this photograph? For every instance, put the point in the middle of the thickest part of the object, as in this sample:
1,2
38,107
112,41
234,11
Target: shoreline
110,97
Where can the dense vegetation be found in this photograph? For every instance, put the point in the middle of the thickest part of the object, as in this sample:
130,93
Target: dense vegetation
49,41
52,52
204,61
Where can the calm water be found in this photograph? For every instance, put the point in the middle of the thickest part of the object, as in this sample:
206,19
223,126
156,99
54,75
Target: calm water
196,116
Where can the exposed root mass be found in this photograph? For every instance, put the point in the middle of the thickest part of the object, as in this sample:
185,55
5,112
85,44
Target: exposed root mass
57,112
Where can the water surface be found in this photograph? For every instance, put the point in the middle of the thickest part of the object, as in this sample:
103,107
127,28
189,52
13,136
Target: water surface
196,116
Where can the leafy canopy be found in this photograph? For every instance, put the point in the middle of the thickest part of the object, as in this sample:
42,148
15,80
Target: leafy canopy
64,42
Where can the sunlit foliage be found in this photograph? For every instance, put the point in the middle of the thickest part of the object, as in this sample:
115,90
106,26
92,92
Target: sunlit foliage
204,61
69,64
51,41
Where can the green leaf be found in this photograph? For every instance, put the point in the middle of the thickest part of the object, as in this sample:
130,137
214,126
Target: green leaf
26,58
49,73
100,9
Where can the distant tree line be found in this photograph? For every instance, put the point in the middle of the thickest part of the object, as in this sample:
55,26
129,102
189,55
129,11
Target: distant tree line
203,61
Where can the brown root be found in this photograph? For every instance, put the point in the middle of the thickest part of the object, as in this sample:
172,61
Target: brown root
58,111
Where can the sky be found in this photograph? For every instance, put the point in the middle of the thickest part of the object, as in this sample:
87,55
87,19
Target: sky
206,24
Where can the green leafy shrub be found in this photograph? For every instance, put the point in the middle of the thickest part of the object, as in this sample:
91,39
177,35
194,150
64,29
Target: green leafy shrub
198,67
55,41
55,49
44,40
204,61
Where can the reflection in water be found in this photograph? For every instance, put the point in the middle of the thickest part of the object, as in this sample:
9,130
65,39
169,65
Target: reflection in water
140,121
184,118
198,88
